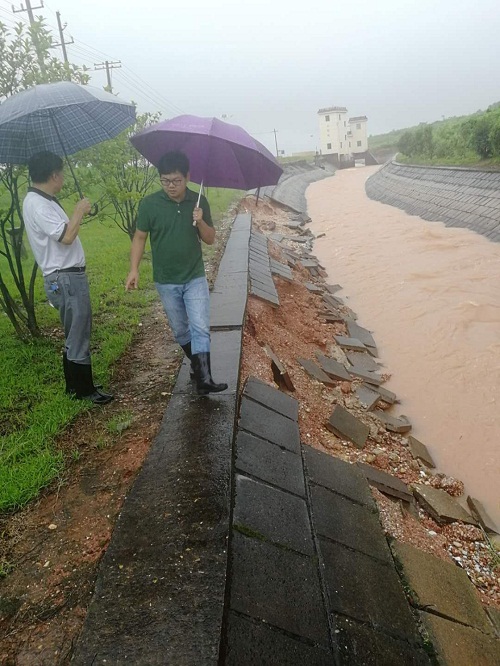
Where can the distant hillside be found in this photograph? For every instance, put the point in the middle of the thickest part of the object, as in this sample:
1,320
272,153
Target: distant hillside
385,146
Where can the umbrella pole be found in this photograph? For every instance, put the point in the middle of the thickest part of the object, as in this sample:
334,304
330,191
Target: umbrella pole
257,195
67,158
199,198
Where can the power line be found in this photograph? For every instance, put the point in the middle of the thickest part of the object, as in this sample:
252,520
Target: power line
108,66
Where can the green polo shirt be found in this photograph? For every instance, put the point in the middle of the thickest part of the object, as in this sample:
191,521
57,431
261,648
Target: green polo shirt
175,242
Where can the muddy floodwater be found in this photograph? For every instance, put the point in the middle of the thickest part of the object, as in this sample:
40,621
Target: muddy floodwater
431,296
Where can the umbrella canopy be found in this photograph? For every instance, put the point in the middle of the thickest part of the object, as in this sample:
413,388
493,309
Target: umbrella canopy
220,154
61,117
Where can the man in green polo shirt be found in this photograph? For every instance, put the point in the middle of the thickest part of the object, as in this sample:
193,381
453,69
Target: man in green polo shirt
176,226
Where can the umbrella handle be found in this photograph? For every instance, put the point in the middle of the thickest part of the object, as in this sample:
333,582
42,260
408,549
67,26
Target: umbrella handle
94,210
198,202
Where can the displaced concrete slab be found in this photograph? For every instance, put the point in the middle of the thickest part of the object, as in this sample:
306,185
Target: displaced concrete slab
272,398
315,371
420,451
279,587
441,587
346,426
281,270
332,316
400,425
481,515
386,483
337,475
387,396
365,375
367,397
441,506
333,368
272,514
333,288
349,343
363,360
269,462
357,331
367,590
250,643
457,645
358,645
353,525
313,288
280,373
269,425
264,295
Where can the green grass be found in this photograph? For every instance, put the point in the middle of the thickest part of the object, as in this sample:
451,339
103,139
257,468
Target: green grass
34,409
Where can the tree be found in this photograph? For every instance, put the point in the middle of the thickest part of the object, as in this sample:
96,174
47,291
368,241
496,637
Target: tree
125,175
19,70
406,144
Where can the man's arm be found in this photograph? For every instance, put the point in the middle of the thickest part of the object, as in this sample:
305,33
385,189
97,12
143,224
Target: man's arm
136,253
207,232
73,226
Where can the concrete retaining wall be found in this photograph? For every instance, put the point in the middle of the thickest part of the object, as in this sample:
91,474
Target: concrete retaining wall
458,197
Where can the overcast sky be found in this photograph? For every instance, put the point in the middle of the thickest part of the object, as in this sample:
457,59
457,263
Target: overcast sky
271,64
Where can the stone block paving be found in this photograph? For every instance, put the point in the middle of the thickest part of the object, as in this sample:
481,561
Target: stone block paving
456,196
311,578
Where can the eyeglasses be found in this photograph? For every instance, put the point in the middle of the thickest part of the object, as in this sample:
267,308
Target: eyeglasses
174,181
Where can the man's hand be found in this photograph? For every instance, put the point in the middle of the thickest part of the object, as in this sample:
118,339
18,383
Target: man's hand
132,280
83,207
197,215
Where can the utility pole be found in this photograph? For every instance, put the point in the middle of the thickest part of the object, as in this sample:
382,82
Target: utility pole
61,36
276,142
107,65
30,9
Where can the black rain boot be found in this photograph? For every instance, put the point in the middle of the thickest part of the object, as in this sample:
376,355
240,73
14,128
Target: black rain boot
84,385
187,351
202,369
68,375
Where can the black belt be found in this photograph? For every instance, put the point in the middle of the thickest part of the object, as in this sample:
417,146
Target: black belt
73,269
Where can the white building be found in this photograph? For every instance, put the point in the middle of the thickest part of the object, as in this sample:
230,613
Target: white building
340,136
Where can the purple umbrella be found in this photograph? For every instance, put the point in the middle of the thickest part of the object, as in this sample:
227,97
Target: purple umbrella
220,154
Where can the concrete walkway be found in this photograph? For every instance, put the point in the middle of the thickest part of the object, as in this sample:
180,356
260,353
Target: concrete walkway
239,545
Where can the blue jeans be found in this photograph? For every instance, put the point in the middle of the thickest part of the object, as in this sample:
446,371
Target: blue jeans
188,311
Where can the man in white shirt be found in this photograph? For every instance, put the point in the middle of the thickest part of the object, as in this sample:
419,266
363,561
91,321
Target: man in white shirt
53,237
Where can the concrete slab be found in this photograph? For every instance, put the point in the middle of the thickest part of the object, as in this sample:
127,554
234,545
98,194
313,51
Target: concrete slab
400,425
148,583
272,514
367,397
494,615
367,590
420,451
272,398
280,373
481,515
358,645
365,375
346,426
353,525
279,587
363,360
332,316
269,462
315,371
387,396
349,343
441,587
441,506
313,288
333,288
252,643
333,368
228,304
386,483
264,296
266,424
337,475
357,331
457,645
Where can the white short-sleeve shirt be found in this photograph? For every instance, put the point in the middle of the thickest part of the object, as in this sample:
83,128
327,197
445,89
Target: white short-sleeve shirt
45,223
